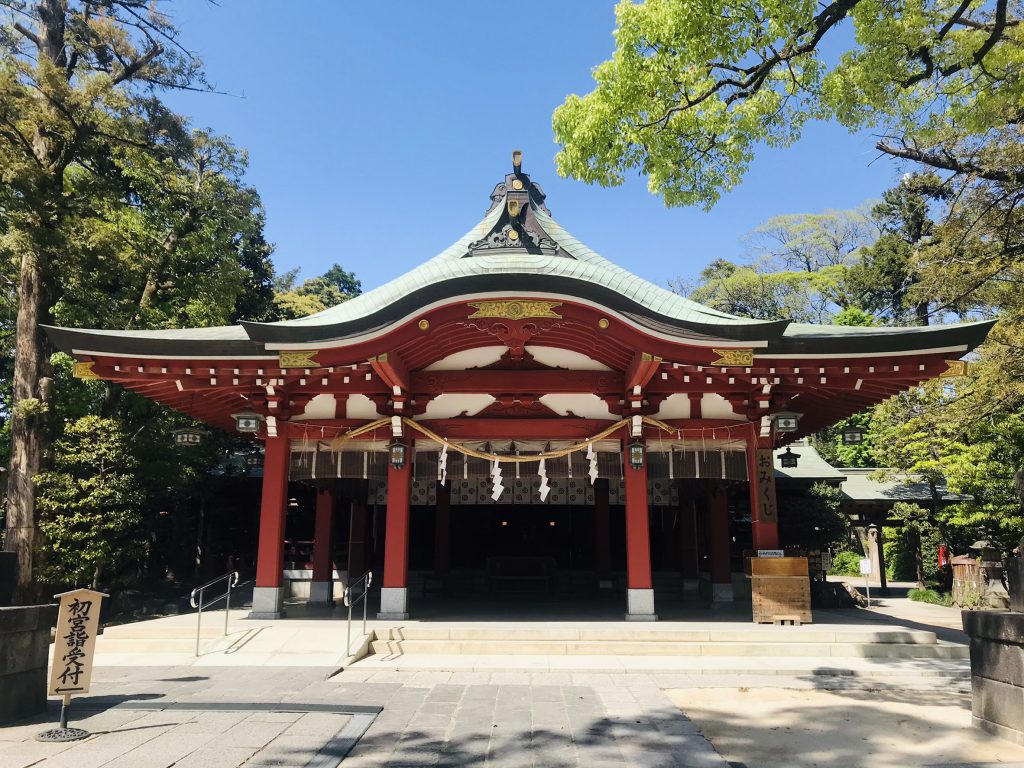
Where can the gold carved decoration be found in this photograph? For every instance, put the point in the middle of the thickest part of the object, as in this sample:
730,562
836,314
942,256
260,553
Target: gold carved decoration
742,357
85,371
513,235
954,368
423,324
517,184
297,359
603,323
515,310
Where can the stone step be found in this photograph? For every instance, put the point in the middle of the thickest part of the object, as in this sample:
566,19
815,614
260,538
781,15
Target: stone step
512,647
754,634
712,666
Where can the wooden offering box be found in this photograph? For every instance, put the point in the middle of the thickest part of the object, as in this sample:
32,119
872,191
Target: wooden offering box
780,586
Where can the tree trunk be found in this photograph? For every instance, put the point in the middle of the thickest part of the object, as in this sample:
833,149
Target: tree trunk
29,425
918,558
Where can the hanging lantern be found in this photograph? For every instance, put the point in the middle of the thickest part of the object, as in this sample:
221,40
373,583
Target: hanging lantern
398,451
853,435
247,421
786,422
637,452
189,436
789,460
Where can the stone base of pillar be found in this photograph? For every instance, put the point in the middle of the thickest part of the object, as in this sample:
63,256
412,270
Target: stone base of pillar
394,604
640,605
320,593
267,603
722,593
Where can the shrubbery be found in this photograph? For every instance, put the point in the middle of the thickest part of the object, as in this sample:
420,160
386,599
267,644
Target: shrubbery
931,596
846,564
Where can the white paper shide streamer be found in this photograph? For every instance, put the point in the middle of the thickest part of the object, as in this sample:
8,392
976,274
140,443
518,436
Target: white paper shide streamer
545,489
592,458
496,487
442,464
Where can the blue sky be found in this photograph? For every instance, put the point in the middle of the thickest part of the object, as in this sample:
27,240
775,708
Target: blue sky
376,132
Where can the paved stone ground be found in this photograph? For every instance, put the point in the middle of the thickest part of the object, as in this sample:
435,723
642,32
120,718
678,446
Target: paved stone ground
429,718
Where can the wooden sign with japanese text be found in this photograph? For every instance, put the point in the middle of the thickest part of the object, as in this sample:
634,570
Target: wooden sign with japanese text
765,479
78,623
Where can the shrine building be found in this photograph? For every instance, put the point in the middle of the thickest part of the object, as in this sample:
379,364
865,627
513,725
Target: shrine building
519,406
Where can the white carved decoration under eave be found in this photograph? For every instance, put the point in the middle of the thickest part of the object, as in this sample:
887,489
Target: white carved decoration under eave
478,357
360,407
450,406
322,406
714,406
564,358
587,406
675,406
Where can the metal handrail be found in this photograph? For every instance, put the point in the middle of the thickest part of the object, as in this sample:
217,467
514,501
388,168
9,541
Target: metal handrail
366,579
196,600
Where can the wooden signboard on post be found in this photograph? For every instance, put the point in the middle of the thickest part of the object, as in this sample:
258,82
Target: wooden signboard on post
78,623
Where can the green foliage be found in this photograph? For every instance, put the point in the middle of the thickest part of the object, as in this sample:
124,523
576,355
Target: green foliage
315,294
846,563
930,596
693,90
813,519
90,503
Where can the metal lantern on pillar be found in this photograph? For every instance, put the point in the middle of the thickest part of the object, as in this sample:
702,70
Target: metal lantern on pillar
637,454
398,452
853,435
247,421
789,460
189,436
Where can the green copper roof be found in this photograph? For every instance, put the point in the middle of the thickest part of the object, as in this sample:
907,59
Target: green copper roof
581,264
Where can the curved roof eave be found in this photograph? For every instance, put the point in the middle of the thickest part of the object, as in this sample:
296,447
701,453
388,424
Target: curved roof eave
817,340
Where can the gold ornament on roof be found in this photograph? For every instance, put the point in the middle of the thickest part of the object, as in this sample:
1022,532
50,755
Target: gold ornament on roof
517,184
85,371
954,368
423,324
306,359
742,357
515,310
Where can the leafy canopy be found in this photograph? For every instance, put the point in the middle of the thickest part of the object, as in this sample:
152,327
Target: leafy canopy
693,89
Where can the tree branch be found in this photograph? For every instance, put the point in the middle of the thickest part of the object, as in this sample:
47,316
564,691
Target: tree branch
28,33
947,162
133,68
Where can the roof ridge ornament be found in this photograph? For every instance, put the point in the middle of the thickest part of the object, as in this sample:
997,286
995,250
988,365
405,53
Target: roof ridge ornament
518,227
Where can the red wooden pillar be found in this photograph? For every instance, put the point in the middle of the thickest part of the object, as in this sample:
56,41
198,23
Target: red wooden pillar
268,594
321,588
357,537
602,530
442,529
763,509
719,547
394,591
639,587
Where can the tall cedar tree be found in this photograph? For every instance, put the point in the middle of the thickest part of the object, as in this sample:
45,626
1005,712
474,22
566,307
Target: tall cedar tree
74,77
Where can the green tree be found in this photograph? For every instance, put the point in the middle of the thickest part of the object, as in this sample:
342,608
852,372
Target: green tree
693,90
315,294
77,79
813,519
90,503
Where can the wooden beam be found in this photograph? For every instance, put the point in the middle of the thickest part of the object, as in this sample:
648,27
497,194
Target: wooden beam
516,382
641,370
391,369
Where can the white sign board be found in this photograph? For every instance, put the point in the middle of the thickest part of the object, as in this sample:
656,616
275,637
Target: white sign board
78,622
770,553
865,566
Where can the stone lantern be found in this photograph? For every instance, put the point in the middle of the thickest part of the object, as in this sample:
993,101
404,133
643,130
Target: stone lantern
995,595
